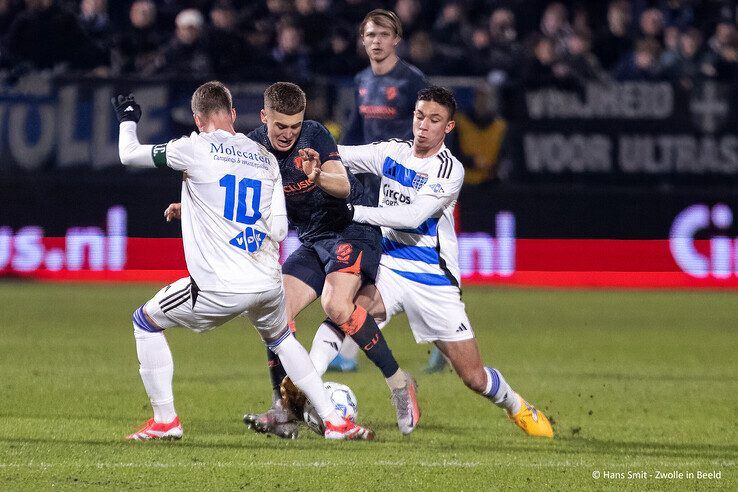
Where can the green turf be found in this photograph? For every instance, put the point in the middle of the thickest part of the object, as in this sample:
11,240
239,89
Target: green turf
636,381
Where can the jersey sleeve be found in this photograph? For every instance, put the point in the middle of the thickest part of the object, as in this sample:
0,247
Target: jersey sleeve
325,145
178,154
364,158
446,180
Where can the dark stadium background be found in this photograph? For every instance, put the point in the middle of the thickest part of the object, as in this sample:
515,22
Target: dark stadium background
579,162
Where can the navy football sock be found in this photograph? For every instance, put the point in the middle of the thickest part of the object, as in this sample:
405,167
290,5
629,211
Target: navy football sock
365,332
276,371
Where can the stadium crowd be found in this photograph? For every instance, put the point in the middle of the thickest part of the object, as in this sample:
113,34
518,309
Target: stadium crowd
533,42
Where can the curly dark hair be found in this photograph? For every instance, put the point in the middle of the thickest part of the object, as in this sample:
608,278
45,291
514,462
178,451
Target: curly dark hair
441,95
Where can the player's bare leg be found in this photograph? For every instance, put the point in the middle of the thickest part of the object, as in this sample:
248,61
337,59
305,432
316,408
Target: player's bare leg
488,382
368,302
279,420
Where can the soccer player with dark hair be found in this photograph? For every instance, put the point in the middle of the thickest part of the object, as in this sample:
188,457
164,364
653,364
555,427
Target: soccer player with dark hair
336,257
419,271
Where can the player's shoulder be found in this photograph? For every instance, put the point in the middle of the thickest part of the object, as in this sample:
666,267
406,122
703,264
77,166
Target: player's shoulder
258,134
394,143
412,71
314,128
448,166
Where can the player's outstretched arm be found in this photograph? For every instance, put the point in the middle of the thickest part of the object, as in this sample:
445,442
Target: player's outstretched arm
330,176
402,216
279,222
130,150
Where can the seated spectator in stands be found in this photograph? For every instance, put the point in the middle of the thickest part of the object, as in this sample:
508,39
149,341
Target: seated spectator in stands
94,19
723,65
651,24
544,68
679,13
724,31
451,29
226,47
410,14
422,54
337,57
480,137
505,52
686,68
477,53
136,48
186,53
555,26
290,55
312,22
46,36
642,64
614,42
670,53
583,65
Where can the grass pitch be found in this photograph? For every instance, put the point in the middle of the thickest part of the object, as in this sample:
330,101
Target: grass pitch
639,384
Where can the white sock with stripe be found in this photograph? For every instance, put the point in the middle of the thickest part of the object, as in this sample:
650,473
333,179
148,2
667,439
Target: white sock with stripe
300,369
156,368
326,345
499,392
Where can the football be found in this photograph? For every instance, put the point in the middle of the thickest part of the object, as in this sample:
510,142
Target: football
344,400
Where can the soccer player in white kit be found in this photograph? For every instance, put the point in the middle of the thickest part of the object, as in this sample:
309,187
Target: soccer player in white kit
419,272
233,217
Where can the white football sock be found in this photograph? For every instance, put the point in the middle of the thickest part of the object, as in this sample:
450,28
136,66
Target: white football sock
349,349
499,392
326,344
300,369
156,368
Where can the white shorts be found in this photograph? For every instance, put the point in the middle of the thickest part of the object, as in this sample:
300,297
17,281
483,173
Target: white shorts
181,303
435,312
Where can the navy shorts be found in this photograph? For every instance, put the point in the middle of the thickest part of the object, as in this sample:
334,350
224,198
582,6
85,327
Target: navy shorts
356,250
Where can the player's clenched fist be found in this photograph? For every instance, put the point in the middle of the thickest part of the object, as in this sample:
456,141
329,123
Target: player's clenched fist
173,211
126,108
310,163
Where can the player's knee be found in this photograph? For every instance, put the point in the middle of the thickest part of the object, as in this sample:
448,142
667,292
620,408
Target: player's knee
474,380
143,323
337,309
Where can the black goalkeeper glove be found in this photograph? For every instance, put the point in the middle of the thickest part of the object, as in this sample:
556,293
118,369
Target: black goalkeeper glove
126,108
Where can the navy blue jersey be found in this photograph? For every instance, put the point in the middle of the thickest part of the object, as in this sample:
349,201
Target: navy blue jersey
307,204
384,104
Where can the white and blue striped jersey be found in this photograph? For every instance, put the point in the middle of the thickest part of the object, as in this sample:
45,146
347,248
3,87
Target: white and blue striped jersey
429,253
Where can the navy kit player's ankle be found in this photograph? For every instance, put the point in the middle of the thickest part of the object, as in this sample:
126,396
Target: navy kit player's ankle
364,331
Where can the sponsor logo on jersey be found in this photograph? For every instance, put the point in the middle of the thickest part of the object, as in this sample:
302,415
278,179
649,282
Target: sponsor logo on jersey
301,187
390,92
393,197
231,150
249,240
298,162
343,252
419,180
437,188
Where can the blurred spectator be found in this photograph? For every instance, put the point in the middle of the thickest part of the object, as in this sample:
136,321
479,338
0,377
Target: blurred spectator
186,53
409,13
226,48
338,57
555,26
94,19
651,24
8,10
642,64
723,66
480,135
505,52
290,55
613,43
137,47
679,13
312,22
422,54
451,29
581,62
46,36
543,67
